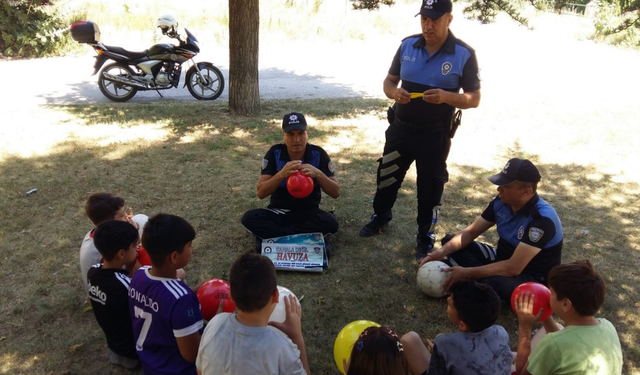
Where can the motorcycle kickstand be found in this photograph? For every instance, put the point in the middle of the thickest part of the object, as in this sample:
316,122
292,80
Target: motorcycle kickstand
158,91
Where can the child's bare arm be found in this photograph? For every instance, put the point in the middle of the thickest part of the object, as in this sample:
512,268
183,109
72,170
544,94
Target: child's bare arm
292,327
188,346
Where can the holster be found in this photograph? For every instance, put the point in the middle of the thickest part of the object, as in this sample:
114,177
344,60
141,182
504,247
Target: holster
391,114
456,118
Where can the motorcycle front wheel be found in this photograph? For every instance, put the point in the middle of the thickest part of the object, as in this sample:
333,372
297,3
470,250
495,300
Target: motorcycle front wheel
116,91
210,86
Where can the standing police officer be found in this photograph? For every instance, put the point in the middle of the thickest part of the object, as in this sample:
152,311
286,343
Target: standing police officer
433,66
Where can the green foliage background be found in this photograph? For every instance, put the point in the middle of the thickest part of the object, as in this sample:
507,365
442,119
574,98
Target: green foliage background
30,28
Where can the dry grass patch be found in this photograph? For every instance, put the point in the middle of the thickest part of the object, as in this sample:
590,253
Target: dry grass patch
194,160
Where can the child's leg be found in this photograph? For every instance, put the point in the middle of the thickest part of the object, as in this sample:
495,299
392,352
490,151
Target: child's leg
418,355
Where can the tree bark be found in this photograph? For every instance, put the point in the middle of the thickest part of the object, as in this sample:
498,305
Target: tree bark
244,26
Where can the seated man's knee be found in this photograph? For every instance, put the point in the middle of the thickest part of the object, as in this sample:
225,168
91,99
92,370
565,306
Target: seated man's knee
249,217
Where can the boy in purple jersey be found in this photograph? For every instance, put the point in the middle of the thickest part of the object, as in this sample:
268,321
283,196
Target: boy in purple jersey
165,312
117,242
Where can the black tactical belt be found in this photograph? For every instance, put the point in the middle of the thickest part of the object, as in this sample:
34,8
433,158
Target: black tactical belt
441,126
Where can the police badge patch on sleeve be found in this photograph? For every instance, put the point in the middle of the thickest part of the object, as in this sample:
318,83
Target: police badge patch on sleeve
535,234
330,166
265,162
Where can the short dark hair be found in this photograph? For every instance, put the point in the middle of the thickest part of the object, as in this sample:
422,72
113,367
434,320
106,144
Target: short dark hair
581,284
378,351
101,207
163,234
113,236
529,184
478,305
252,279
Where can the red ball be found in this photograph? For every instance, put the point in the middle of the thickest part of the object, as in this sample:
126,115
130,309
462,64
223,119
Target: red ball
299,185
209,296
143,257
541,300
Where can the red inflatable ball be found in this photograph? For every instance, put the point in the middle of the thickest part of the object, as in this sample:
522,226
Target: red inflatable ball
210,294
541,300
299,185
143,257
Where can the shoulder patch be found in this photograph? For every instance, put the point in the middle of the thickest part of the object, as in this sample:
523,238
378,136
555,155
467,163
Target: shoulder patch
330,166
535,234
265,162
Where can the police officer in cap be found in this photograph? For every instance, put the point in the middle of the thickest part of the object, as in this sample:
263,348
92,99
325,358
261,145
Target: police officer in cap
530,233
425,79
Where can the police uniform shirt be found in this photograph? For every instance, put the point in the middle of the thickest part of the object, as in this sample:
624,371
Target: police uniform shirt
536,224
275,160
452,67
109,296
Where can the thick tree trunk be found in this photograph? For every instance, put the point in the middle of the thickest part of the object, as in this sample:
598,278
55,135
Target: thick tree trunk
244,25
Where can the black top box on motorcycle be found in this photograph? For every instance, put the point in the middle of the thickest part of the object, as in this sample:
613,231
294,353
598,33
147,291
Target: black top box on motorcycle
85,32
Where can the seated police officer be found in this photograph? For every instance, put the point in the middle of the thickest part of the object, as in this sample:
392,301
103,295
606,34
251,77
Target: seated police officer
530,233
287,215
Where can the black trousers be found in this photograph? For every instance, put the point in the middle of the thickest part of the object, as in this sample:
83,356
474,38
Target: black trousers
477,254
404,144
275,222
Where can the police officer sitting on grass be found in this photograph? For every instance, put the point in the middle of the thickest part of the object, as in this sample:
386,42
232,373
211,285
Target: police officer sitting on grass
434,67
285,214
530,236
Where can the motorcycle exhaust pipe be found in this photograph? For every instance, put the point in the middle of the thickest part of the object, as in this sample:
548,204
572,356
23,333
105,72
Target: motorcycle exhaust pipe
126,81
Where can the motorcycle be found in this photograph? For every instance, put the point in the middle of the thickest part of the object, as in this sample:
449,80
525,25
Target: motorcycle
157,68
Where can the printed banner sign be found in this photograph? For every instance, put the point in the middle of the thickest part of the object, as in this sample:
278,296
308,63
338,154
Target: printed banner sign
298,252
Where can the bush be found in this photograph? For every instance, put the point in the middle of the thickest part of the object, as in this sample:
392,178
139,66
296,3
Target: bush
29,28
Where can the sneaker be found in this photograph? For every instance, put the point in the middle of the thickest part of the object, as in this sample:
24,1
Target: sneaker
123,361
373,227
425,245
327,247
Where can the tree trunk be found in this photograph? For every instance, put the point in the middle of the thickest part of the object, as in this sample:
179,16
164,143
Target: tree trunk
244,25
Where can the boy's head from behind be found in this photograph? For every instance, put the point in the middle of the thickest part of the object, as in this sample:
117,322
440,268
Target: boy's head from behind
101,207
378,351
579,283
253,281
112,236
165,234
476,305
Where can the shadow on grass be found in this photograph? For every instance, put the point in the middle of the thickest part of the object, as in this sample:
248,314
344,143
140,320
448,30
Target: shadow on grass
210,181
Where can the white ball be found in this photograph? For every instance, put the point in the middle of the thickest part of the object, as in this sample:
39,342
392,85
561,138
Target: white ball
431,276
141,220
280,314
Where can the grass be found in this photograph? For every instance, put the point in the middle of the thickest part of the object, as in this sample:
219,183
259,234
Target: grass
194,160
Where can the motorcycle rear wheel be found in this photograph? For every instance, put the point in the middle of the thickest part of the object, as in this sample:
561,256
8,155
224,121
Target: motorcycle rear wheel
208,89
116,91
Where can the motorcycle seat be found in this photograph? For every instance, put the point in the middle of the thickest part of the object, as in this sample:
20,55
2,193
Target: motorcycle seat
131,55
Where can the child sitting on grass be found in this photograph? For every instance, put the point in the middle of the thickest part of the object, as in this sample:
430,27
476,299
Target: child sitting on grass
377,351
101,207
242,343
165,312
108,282
479,346
587,345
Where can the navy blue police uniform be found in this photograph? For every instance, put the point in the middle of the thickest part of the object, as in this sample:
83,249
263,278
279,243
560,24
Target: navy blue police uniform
536,224
420,131
287,215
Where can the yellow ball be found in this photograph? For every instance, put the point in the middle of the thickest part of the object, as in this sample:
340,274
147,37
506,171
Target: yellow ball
347,338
